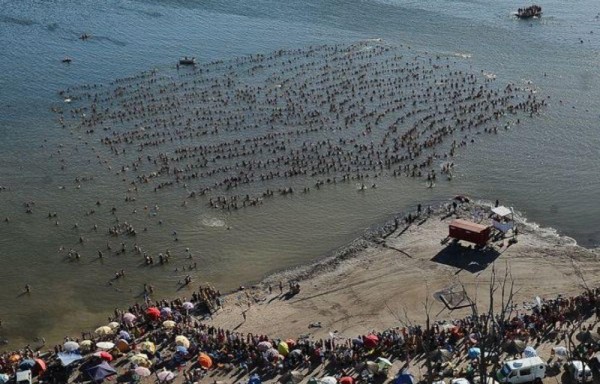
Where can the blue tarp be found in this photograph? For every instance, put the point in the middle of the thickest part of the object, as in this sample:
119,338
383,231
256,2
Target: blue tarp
27,364
405,378
67,358
101,371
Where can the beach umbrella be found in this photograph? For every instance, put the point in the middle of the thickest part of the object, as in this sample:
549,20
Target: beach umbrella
264,345
142,371
113,325
153,313
371,340
106,345
101,371
164,376
169,324
41,364
514,346
205,361
140,359
87,344
347,380
104,330
442,355
70,346
148,346
122,346
166,311
291,343
104,355
328,380
271,352
182,340
383,363
187,305
181,349
129,318
296,352
14,358
405,378
4,378
474,352
123,334
530,351
283,348
26,364
68,358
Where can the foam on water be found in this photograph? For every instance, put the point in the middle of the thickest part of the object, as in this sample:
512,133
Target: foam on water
213,222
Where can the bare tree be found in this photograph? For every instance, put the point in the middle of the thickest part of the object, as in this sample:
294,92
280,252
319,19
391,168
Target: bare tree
489,324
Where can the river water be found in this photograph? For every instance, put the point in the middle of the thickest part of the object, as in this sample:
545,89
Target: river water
545,167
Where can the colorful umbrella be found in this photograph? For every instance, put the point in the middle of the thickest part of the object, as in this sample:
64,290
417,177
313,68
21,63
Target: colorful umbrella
347,380
264,345
143,371
14,358
86,344
104,330
148,346
405,378
291,343
101,371
371,340
41,364
166,311
153,313
129,318
182,340
140,359
106,345
26,364
474,352
383,363
122,346
4,378
283,348
164,376
169,324
187,305
104,355
71,346
205,361
329,380
124,335
113,325
181,349
530,351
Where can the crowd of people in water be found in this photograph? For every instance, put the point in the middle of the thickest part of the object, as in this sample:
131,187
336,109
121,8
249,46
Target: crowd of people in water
171,335
291,120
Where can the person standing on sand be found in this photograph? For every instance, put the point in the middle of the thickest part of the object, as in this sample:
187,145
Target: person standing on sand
244,315
280,287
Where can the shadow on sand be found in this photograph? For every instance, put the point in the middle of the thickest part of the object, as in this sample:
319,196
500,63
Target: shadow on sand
466,258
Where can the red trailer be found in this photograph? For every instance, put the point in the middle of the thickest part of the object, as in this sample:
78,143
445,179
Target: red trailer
468,231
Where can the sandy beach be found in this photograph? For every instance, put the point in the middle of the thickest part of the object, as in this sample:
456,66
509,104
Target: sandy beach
384,280
370,287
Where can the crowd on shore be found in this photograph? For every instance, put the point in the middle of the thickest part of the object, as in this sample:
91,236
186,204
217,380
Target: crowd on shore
170,335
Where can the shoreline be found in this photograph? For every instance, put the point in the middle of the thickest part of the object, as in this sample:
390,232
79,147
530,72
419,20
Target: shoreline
375,236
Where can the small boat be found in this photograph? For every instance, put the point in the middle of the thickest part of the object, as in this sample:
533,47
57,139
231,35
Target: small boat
187,61
84,36
529,12
67,60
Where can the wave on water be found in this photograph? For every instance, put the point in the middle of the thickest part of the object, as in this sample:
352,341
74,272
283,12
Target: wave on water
110,40
547,233
17,21
213,222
